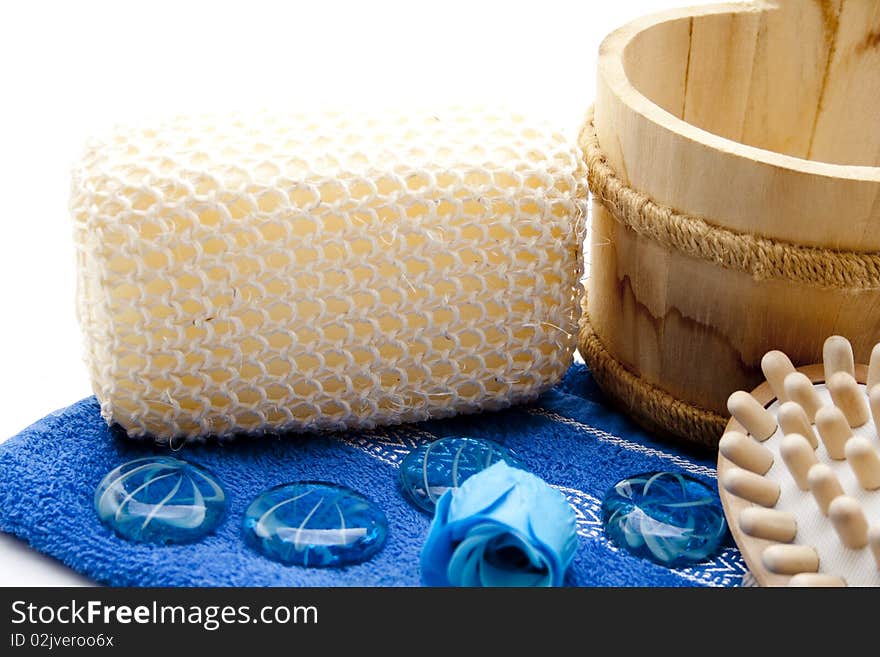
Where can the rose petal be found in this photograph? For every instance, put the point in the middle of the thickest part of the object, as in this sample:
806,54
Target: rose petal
553,522
500,510
464,567
495,572
491,575
438,547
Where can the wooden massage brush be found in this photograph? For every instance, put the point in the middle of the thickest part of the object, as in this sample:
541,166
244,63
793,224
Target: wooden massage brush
799,470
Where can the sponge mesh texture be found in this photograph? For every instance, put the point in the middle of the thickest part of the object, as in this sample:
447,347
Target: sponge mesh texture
325,271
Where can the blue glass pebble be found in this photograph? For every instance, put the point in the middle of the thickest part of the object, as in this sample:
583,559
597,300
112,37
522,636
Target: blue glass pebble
313,523
433,468
160,499
669,518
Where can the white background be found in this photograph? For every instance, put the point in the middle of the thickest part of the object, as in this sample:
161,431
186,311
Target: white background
71,69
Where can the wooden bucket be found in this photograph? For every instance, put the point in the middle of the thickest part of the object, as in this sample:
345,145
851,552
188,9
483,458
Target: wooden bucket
734,158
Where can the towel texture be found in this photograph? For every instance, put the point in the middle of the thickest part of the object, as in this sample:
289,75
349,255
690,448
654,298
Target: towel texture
569,437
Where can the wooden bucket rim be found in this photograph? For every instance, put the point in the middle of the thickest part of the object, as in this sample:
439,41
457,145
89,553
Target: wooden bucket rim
611,68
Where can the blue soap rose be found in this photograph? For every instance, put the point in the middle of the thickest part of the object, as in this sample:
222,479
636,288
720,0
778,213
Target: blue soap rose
502,527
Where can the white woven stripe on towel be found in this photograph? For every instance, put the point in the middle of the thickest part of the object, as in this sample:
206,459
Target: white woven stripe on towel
391,446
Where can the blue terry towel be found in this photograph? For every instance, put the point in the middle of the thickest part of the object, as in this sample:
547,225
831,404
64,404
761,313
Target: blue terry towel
569,437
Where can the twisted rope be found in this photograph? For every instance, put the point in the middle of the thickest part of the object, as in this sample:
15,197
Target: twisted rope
761,257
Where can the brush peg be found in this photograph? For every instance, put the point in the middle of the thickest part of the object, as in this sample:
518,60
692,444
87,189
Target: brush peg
834,430
756,419
864,461
824,486
745,452
849,398
849,521
799,457
769,524
792,419
800,389
874,399
814,580
874,367
837,356
750,486
776,366
874,543
790,559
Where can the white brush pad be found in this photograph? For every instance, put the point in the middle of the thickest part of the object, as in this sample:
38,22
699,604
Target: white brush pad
857,567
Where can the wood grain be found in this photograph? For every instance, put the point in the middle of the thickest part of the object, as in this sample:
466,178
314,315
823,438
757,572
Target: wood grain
714,111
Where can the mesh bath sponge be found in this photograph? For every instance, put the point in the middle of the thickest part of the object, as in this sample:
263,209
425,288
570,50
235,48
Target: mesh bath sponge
305,272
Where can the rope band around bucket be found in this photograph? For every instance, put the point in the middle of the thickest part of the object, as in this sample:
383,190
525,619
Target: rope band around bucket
760,257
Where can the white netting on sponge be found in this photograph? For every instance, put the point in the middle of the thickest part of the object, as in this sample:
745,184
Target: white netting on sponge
305,272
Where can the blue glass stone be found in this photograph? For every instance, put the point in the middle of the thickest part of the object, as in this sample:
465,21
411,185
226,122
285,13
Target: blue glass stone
669,518
160,499
433,468
313,523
